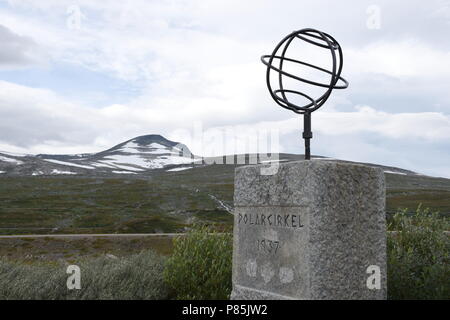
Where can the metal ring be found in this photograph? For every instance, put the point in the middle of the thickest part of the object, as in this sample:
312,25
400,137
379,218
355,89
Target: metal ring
302,110
344,86
335,44
337,59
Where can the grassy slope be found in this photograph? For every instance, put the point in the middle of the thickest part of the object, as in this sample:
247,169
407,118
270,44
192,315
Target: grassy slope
72,249
159,203
409,191
162,202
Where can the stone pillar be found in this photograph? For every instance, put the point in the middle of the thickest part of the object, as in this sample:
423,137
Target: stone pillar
313,230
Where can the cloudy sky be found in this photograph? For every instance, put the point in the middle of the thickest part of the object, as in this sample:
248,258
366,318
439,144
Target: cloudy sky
82,76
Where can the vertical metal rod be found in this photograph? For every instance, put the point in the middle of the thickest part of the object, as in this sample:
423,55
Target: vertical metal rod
307,134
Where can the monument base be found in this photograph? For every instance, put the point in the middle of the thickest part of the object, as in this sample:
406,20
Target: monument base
243,293
312,230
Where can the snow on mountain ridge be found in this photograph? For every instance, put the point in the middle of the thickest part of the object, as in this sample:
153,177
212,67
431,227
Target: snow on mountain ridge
136,155
10,160
153,148
65,163
143,153
14,154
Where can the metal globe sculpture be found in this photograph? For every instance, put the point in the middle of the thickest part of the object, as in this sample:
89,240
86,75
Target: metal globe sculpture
275,62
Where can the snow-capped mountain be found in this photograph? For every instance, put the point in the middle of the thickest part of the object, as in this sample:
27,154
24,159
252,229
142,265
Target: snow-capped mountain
143,153
134,156
138,156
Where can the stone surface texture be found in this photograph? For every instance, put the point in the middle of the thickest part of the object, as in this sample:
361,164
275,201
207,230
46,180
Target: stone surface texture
309,231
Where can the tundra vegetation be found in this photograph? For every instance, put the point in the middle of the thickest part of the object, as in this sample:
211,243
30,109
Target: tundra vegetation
419,255
199,267
160,202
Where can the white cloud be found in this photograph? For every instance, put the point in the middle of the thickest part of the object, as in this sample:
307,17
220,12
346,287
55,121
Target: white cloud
432,126
17,51
408,58
32,116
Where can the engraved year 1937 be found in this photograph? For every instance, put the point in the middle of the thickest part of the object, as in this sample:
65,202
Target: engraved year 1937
268,246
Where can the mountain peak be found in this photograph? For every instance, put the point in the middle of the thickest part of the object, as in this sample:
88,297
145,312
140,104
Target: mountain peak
152,138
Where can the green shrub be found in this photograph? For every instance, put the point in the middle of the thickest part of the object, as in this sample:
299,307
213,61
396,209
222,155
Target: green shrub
135,277
418,256
200,266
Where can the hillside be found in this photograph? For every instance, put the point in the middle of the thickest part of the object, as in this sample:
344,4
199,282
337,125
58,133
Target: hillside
157,190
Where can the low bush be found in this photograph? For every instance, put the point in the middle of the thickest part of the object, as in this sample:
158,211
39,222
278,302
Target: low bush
418,256
135,277
200,266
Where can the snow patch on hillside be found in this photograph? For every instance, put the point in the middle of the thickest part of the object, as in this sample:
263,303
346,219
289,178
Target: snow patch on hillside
11,160
147,163
179,169
395,172
14,154
100,164
68,164
124,172
153,148
56,171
